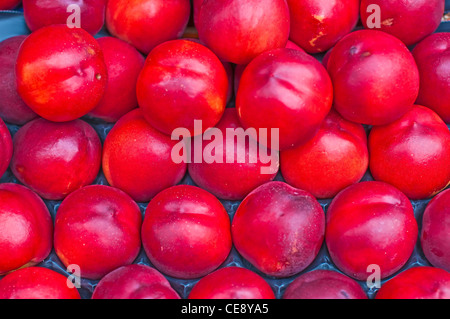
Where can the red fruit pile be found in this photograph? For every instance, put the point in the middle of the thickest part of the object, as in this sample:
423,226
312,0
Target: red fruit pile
128,153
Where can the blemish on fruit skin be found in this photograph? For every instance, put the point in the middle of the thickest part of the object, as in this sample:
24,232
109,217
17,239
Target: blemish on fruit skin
319,18
20,169
98,76
388,22
215,101
314,40
344,294
90,51
77,36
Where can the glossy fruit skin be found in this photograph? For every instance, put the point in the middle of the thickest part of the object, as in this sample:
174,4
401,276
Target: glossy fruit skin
97,228
26,228
134,282
39,13
357,236
324,284
8,4
124,64
284,89
410,20
229,69
186,232
232,283
6,148
412,153
137,158
36,283
435,229
317,25
417,283
363,66
55,159
432,56
279,229
231,181
182,81
12,108
61,74
239,69
132,21
263,23
336,157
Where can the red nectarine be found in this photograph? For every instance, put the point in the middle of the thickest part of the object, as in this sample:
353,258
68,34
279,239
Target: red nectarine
432,56
182,81
232,180
412,153
124,64
97,228
137,158
247,28
61,73
279,229
232,283
316,25
324,284
39,14
375,77
186,232
370,223
6,148
12,108
134,282
26,228
55,159
335,158
435,232
417,283
147,23
36,283
284,89
408,20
